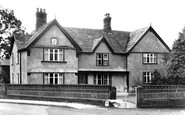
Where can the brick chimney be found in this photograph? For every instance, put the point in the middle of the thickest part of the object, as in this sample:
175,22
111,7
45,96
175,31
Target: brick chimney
41,18
107,22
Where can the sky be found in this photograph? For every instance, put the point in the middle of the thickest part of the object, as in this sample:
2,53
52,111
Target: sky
167,17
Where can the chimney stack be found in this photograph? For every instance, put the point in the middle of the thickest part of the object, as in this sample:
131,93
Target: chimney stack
107,22
41,18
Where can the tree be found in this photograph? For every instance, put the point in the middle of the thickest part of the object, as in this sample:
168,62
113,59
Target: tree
176,61
157,78
9,25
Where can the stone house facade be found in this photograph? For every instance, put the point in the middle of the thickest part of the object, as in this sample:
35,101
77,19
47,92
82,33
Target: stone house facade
53,54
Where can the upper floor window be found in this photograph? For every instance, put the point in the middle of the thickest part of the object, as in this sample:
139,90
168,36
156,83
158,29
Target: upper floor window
102,79
53,78
149,58
147,77
102,59
54,54
54,41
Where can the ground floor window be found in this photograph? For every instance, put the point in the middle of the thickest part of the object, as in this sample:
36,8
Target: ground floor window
53,78
147,77
102,79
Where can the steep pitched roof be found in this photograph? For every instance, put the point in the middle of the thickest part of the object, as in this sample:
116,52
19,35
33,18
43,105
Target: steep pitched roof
117,40
36,35
137,35
84,37
88,39
134,38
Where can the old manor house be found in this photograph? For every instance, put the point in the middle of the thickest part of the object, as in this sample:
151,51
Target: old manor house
53,54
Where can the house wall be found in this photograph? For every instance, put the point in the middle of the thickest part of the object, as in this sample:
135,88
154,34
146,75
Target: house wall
24,66
14,66
116,63
150,43
118,80
37,66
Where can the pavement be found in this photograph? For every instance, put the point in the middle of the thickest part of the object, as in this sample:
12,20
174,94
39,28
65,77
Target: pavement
49,103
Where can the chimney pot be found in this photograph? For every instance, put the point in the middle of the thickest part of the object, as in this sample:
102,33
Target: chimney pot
107,22
41,18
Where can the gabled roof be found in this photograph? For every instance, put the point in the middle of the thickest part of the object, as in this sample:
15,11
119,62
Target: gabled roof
41,31
137,35
88,39
84,37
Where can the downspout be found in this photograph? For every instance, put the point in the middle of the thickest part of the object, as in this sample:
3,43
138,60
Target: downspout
127,75
20,70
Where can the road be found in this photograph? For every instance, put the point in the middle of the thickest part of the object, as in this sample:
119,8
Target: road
23,109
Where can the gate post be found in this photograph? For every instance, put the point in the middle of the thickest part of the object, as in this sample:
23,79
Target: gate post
139,96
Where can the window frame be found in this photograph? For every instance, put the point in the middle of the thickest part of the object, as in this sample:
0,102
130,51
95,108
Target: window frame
147,77
47,78
58,57
102,59
149,58
100,77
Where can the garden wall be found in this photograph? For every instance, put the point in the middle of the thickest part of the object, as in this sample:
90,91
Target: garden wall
161,96
88,92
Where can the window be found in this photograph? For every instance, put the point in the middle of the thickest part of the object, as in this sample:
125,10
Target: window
54,55
102,79
102,59
54,41
149,58
17,58
147,77
53,78
12,59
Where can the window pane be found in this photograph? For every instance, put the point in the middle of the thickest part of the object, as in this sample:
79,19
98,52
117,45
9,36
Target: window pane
61,79
99,59
46,80
56,78
61,55
105,62
56,55
51,55
99,79
105,79
51,78
105,59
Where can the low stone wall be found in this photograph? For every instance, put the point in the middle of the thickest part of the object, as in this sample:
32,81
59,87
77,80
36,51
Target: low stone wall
161,96
90,92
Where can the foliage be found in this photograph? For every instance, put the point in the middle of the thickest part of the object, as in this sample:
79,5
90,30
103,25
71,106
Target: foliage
158,79
9,25
176,61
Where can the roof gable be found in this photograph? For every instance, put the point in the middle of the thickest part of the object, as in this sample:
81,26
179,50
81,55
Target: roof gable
138,35
38,34
97,42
